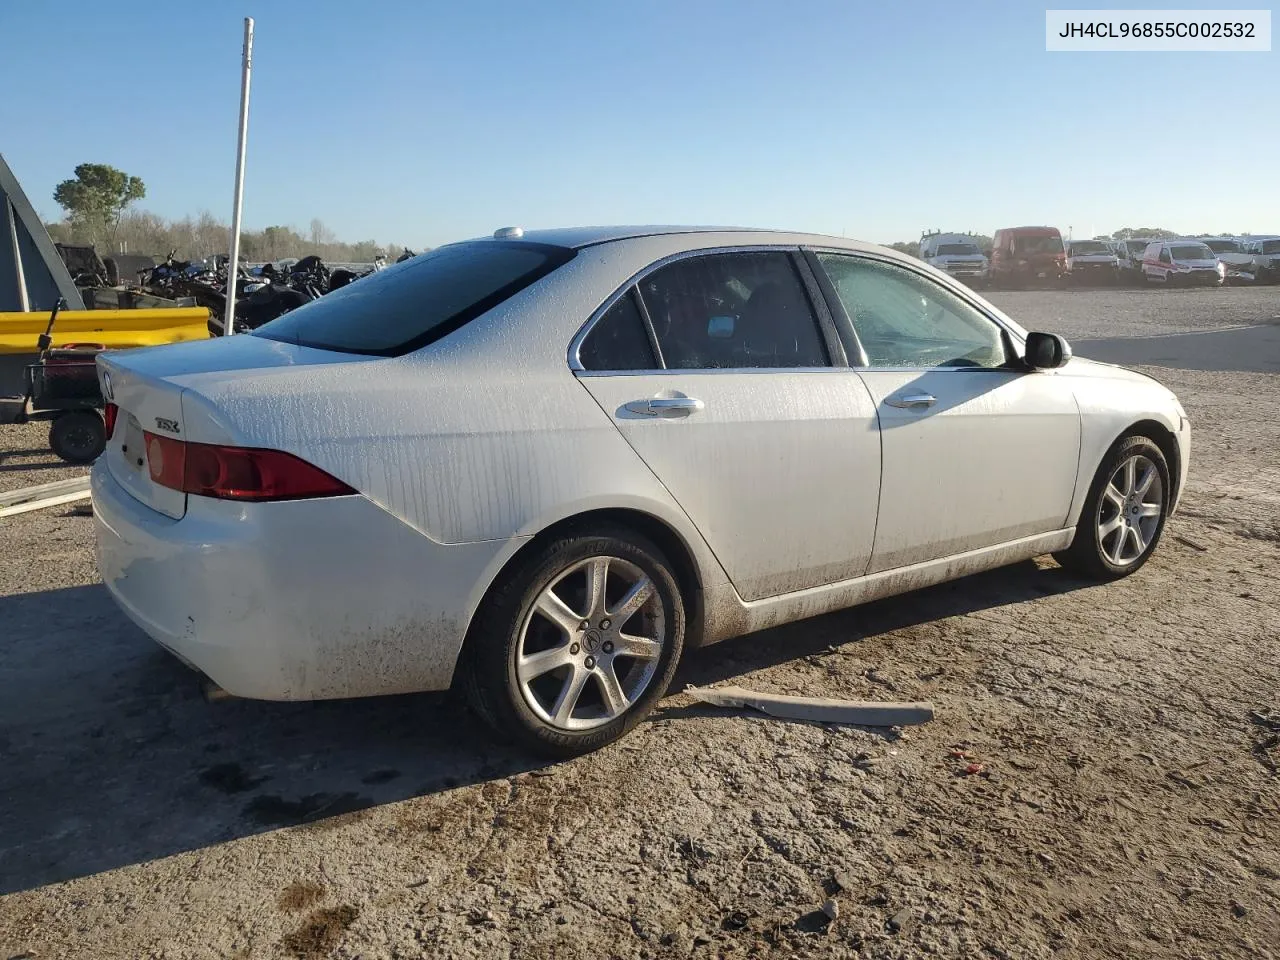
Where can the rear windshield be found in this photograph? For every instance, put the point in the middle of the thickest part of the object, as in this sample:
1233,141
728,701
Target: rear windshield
1191,251
957,250
407,306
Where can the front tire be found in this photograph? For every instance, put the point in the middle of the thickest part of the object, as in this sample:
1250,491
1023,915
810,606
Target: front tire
576,644
1124,514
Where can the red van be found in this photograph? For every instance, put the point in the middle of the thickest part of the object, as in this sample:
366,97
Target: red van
1028,257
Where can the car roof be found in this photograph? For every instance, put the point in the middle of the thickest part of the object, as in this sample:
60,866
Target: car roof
578,237
695,238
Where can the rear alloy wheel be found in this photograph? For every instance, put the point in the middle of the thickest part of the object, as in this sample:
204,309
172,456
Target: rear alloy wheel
577,644
1124,516
79,436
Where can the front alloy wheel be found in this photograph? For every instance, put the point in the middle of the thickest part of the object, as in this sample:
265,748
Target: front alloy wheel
1124,514
1130,510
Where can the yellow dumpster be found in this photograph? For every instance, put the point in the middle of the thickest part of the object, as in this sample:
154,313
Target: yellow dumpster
114,329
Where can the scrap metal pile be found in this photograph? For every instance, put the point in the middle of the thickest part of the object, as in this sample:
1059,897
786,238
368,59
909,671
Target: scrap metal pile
262,292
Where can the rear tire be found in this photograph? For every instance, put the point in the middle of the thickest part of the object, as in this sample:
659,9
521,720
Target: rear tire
547,660
1124,513
78,436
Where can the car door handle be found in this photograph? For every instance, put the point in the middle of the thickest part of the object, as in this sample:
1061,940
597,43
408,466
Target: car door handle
669,407
912,401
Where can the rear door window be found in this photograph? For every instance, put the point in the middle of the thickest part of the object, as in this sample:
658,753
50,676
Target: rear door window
407,306
733,310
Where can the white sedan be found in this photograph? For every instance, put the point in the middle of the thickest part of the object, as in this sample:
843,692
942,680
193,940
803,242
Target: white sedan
541,465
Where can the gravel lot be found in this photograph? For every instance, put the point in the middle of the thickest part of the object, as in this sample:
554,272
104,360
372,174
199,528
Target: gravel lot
1079,314
1128,802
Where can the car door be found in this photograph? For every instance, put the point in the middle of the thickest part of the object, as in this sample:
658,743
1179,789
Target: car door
1158,260
718,370
975,449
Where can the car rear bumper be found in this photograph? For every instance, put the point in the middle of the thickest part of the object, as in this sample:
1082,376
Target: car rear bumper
297,600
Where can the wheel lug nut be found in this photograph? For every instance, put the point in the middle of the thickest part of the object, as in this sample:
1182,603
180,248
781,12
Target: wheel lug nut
583,625
604,624
589,662
574,648
608,646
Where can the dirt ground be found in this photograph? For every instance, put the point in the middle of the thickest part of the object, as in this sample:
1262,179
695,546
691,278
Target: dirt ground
1124,799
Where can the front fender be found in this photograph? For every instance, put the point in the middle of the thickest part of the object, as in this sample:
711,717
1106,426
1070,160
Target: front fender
1112,401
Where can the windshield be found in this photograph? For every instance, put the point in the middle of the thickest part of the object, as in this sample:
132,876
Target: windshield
1087,248
1191,251
1136,248
958,250
1223,246
1271,246
1044,244
407,306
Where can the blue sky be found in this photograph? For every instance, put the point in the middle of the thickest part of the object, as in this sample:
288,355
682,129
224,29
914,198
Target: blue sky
425,122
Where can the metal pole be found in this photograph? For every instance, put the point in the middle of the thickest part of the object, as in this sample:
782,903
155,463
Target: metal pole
233,262
23,301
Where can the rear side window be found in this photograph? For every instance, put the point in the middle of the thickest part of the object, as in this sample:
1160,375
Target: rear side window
618,341
733,310
407,306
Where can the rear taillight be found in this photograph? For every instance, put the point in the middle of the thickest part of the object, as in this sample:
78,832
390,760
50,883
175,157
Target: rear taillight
109,413
236,473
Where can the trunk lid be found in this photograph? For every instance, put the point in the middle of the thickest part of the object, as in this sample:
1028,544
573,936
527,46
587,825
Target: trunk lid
146,404
148,386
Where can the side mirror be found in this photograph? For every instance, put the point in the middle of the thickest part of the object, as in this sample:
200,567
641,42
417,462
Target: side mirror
1046,351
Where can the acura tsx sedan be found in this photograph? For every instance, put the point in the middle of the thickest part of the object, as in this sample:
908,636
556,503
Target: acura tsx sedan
538,466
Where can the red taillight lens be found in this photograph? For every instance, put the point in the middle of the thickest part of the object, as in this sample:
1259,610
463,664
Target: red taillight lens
166,459
109,414
237,473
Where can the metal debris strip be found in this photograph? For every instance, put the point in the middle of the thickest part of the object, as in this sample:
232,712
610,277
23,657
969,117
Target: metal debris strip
44,495
817,709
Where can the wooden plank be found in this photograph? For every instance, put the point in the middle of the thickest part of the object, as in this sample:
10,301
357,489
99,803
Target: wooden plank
54,501
42,490
816,709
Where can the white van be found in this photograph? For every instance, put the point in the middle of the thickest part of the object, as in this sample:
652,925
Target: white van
1181,262
1265,255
